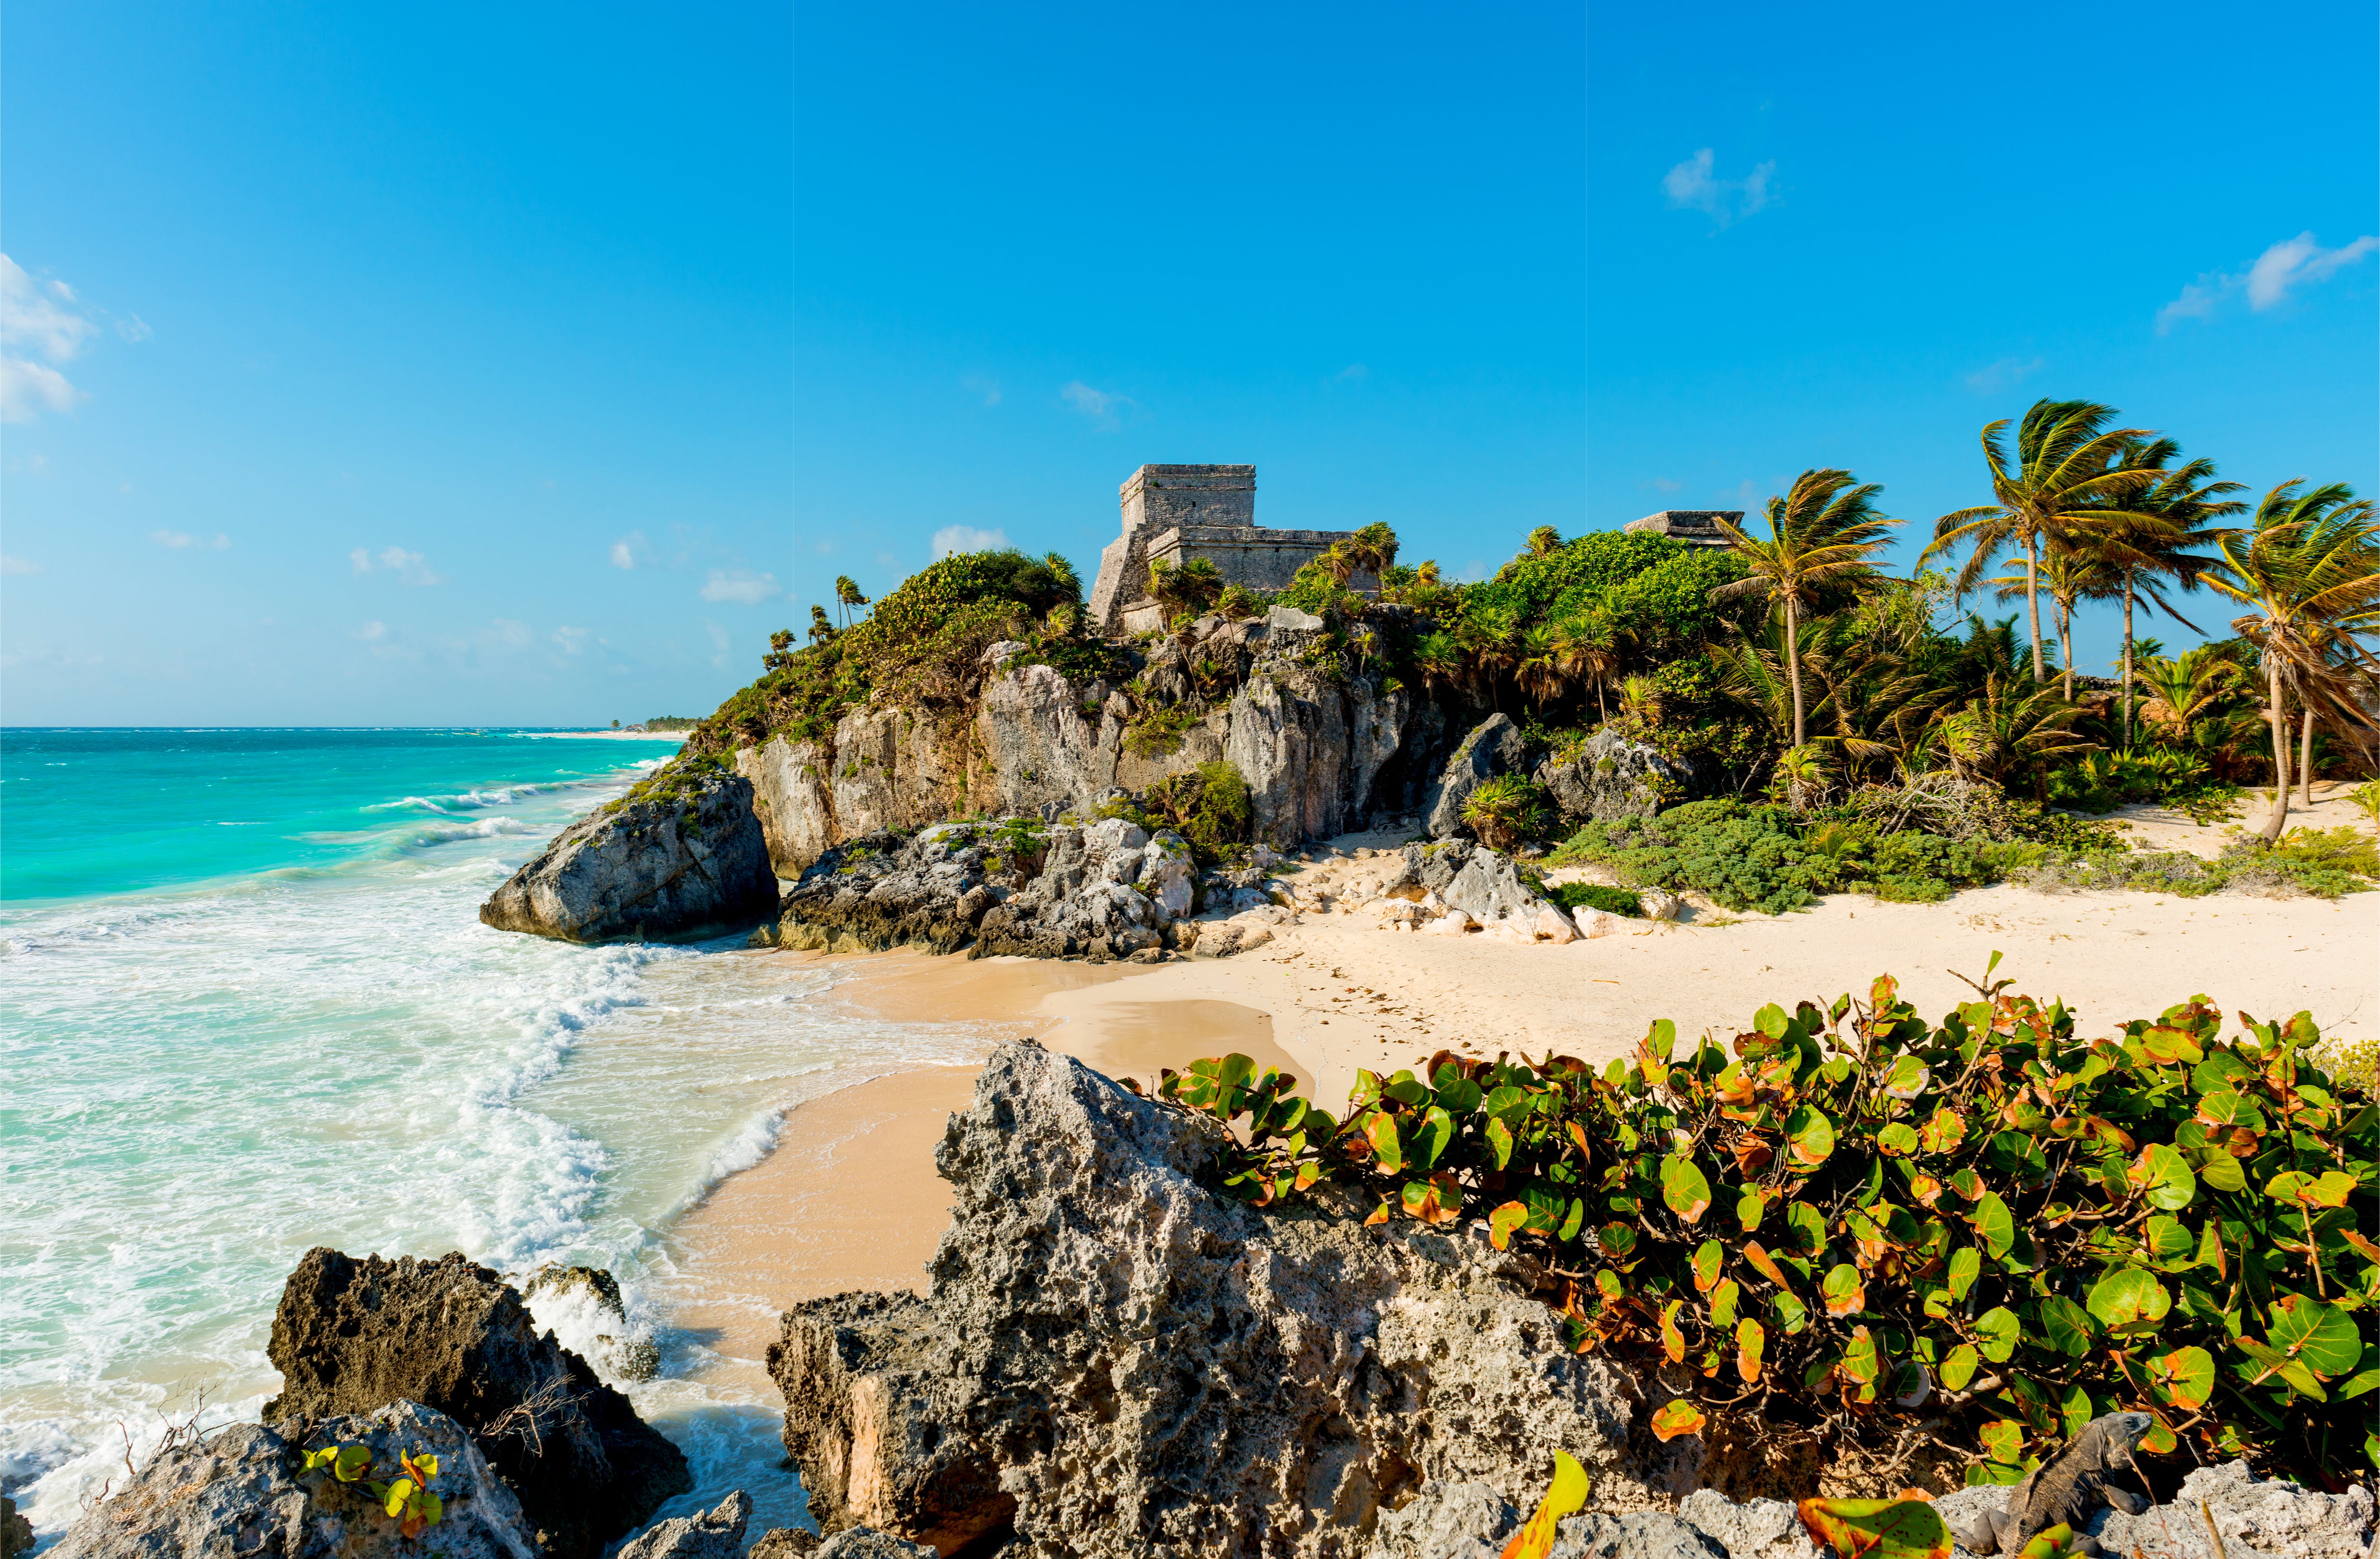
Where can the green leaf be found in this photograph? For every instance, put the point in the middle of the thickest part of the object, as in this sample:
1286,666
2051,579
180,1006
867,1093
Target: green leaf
1864,1361
2130,1298
1388,1148
1876,1528
1959,1367
351,1463
1506,1219
2166,1175
1405,1089
1998,1333
1994,1224
1806,1227
1945,1128
1899,1138
1846,1295
1791,1314
1707,1259
2321,1336
1965,1265
1748,1210
2183,1379
1908,1079
2067,1324
2223,1172
1499,1141
1723,1300
1570,1221
1437,1131
1684,1188
2269,1363
1812,1136
2003,1440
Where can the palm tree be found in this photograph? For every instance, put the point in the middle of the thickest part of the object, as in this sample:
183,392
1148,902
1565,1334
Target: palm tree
1640,698
1539,663
1592,641
2007,728
1190,588
1440,659
847,595
1544,540
2065,460
2070,575
1373,550
1824,532
2308,570
2188,684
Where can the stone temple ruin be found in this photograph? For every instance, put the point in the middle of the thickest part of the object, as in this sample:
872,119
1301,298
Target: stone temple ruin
1697,527
1178,513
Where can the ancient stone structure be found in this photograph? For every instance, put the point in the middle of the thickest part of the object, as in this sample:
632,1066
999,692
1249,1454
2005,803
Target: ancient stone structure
1178,513
1697,526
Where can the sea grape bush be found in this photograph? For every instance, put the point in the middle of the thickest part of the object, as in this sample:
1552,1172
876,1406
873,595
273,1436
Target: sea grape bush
406,1497
1984,1232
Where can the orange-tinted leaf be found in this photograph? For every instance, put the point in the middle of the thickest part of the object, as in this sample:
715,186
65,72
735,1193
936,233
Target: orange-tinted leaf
1680,1417
1566,1497
1750,1342
1503,1221
1673,1342
1765,1265
1900,1529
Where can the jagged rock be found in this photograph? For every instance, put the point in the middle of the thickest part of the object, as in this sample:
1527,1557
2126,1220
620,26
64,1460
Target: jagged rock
785,1542
2259,1518
16,1532
716,1533
1288,618
352,1336
1442,1519
1643,1534
1754,1530
241,1490
1611,777
1660,903
683,864
1495,747
1484,885
1115,1358
1592,922
1224,938
866,1542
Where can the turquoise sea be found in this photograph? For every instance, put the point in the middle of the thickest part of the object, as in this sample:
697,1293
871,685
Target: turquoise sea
247,1008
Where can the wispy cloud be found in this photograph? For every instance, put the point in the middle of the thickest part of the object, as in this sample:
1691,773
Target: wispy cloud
373,632
409,568
1690,186
2003,375
2268,280
718,645
43,325
182,541
628,550
573,640
740,585
967,539
1104,407
1661,484
10,564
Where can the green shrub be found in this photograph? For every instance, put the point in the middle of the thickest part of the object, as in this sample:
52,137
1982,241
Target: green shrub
1505,809
1989,1230
1158,732
1209,806
1745,858
1595,896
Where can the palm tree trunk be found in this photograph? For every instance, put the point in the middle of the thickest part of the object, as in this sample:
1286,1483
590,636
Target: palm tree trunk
2066,644
2305,755
2032,605
2128,660
1793,659
2280,750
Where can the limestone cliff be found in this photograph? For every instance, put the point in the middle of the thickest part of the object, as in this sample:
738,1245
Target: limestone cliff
1322,751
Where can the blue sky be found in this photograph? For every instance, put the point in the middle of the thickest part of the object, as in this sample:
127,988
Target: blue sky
530,365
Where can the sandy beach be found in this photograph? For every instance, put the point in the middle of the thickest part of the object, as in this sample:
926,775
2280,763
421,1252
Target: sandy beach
849,1199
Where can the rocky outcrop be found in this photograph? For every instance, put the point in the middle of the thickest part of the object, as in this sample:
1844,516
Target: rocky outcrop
1458,877
1611,777
2257,1518
1494,746
587,1300
716,1533
244,1490
353,1335
1103,890
686,860
1114,1358
1321,753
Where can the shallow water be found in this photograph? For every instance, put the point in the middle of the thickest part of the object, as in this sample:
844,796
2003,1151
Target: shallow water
247,1008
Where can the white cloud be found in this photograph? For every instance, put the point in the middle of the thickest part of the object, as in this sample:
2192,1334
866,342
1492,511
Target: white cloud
740,585
33,324
718,645
2267,280
133,328
409,567
967,539
12,564
511,631
627,550
2002,375
182,541
1102,407
573,640
1690,186
373,633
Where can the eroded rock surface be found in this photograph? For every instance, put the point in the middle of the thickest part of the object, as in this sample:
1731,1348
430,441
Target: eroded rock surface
1114,1358
716,1533
241,1490
684,863
1611,777
2258,1518
1494,746
352,1336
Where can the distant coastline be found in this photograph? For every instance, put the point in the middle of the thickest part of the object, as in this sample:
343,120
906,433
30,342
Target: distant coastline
677,736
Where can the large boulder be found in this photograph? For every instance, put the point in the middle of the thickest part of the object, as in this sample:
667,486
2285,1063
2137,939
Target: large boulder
1495,747
244,1490
683,860
353,1336
1115,1358
716,1533
1611,777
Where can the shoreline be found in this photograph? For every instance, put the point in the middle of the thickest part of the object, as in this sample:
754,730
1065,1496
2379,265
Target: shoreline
848,1198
